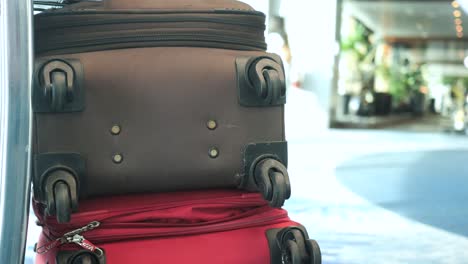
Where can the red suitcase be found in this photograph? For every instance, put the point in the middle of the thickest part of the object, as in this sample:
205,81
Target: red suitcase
193,227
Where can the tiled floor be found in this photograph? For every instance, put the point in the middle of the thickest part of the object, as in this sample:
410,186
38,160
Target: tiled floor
374,196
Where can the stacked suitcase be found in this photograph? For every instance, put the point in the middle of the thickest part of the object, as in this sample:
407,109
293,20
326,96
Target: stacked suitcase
159,136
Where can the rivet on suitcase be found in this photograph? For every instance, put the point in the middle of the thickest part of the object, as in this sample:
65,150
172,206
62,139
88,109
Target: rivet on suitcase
156,96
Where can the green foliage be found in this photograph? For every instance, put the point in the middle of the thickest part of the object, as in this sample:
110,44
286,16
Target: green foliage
449,80
404,82
414,79
452,80
358,42
397,85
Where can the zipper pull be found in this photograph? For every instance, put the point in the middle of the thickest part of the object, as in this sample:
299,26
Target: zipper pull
86,244
73,237
86,228
49,246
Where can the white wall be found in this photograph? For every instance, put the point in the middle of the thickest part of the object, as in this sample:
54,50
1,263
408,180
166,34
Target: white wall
311,27
260,5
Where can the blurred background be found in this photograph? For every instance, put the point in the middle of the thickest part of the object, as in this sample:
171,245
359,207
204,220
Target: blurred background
376,122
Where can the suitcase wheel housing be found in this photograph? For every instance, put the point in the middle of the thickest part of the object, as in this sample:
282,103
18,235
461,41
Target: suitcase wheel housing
272,180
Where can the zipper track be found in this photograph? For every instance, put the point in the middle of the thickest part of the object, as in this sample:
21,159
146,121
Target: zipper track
134,20
116,225
96,11
161,39
273,217
244,200
49,42
222,227
151,41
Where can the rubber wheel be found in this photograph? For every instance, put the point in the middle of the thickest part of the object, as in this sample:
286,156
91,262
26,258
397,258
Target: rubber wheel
296,235
287,183
62,202
274,89
58,92
300,240
291,254
279,189
85,258
263,181
314,252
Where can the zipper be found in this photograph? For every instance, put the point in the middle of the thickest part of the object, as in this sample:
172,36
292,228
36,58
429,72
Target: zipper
253,22
249,222
114,223
97,11
252,200
247,200
104,233
158,40
243,32
101,226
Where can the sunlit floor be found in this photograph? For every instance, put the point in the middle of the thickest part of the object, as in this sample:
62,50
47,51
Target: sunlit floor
383,197
373,196
378,196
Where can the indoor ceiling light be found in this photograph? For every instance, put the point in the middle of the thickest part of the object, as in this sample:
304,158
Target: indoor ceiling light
457,13
455,4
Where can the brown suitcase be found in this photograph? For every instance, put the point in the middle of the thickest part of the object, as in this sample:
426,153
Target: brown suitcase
156,96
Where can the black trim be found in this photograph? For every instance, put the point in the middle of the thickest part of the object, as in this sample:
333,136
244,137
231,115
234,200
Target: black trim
275,250
47,163
255,152
261,81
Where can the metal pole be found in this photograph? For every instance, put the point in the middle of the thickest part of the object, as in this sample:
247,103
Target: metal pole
335,109
274,9
16,58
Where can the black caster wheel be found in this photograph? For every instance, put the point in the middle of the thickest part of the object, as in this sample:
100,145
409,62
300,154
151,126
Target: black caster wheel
297,248
267,79
290,254
297,236
58,91
314,251
272,180
85,258
62,202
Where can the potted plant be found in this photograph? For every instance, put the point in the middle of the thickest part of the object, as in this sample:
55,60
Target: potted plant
356,47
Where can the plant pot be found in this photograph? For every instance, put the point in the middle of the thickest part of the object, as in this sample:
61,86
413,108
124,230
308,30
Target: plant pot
383,104
345,103
418,103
